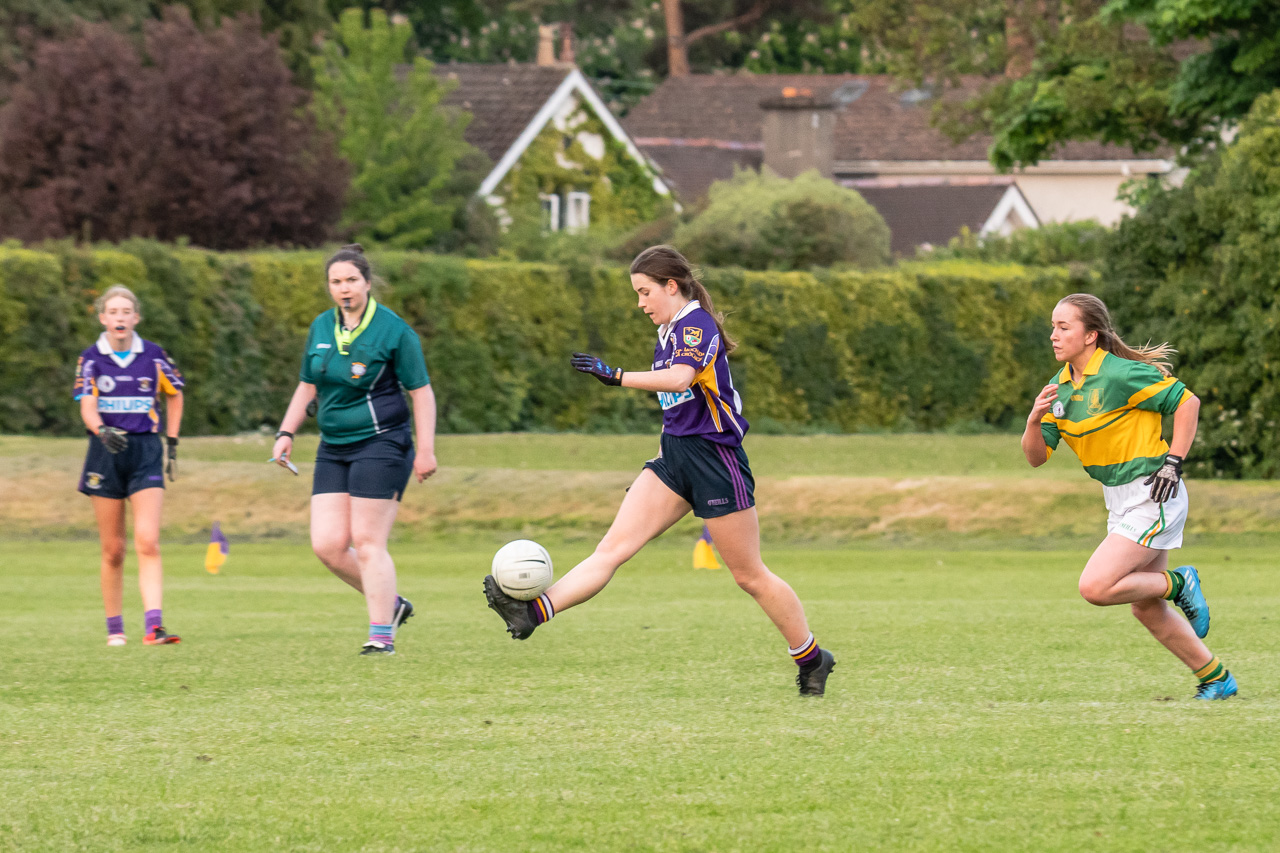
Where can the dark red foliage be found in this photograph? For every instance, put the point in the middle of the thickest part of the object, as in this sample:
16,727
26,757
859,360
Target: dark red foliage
204,137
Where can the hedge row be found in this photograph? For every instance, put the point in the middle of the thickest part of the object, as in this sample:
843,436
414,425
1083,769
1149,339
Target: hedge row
955,344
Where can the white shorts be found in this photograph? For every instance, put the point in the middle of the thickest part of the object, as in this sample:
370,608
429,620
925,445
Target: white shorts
1132,514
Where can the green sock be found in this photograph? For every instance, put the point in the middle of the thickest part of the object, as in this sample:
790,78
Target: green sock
1176,583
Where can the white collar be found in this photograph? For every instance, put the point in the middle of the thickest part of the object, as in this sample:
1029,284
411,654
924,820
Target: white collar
664,331
104,347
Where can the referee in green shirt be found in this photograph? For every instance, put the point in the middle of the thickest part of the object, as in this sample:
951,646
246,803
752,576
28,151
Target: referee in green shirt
359,360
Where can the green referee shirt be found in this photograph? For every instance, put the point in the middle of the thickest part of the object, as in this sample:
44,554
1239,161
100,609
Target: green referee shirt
359,373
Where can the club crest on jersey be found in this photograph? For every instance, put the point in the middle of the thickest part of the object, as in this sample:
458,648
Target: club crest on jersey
357,369
106,384
144,384
1095,401
692,336
1058,409
92,480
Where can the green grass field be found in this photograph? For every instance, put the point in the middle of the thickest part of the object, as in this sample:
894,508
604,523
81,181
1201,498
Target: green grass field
979,703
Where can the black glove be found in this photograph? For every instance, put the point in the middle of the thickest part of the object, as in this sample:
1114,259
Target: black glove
1164,482
171,467
113,439
590,364
311,409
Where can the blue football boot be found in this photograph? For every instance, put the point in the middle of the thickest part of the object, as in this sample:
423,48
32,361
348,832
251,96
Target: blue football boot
1191,600
1223,688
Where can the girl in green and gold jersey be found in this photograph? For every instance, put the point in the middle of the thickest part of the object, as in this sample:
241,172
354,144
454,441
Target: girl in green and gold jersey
1107,404
359,362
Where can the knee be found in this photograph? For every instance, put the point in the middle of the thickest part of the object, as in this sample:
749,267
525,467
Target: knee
329,551
616,550
113,555
146,547
367,551
1094,592
752,581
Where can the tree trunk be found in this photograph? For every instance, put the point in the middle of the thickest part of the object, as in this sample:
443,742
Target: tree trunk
677,54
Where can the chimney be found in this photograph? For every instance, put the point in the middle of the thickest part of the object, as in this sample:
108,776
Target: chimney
546,44
566,43
798,132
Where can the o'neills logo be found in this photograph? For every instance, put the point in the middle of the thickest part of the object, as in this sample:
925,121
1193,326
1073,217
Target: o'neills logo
357,370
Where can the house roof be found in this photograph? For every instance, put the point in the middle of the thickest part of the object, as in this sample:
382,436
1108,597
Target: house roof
511,104
502,99
875,121
934,213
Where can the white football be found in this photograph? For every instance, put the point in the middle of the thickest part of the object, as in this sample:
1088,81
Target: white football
523,569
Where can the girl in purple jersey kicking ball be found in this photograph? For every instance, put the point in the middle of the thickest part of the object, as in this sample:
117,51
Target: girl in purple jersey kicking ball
701,466
119,384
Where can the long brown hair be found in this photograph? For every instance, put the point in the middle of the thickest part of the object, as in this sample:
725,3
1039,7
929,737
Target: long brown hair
1096,318
663,264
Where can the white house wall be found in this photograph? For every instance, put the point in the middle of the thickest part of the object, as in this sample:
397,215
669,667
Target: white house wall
1072,198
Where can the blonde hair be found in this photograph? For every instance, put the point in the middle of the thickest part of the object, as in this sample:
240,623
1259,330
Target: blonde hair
1096,318
100,304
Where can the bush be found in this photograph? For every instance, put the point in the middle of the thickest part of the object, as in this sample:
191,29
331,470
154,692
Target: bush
763,222
1048,245
1199,266
923,346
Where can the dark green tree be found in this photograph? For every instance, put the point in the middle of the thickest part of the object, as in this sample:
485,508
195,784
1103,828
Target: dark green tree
1037,73
1199,266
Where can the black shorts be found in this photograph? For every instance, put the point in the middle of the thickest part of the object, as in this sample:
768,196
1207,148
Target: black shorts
377,467
715,479
117,475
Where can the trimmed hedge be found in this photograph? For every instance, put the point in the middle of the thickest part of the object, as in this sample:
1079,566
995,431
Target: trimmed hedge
920,346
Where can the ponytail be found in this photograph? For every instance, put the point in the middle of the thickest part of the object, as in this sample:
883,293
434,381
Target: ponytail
663,264
1096,318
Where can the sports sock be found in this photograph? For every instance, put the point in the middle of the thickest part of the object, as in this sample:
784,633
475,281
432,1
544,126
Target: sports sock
381,633
1176,582
541,610
1212,671
807,653
153,620
115,624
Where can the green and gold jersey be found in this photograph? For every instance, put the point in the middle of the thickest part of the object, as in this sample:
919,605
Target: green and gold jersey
1111,418
359,373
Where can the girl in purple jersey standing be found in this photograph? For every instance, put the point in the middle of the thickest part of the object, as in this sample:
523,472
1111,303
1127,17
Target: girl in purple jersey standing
119,383
701,467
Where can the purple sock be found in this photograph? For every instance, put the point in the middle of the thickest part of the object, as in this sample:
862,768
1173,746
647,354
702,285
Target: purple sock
115,624
153,620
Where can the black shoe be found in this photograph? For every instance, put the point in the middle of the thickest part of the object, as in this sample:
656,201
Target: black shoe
373,647
514,612
812,681
402,614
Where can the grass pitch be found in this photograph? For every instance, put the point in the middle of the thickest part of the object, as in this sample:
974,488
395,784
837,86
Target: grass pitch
978,704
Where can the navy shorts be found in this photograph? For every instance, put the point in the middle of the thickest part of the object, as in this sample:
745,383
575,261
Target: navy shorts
715,479
117,475
377,467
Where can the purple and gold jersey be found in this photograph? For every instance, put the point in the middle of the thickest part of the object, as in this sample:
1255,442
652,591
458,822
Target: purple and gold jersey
711,407
127,388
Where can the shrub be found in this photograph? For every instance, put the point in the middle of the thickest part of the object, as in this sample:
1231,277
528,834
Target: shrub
761,221
923,346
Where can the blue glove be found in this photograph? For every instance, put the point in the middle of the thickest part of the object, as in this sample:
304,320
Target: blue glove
590,364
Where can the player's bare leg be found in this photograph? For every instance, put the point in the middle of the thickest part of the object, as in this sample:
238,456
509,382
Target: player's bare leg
110,514
1166,624
371,521
1111,576
331,536
648,509
148,505
737,538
